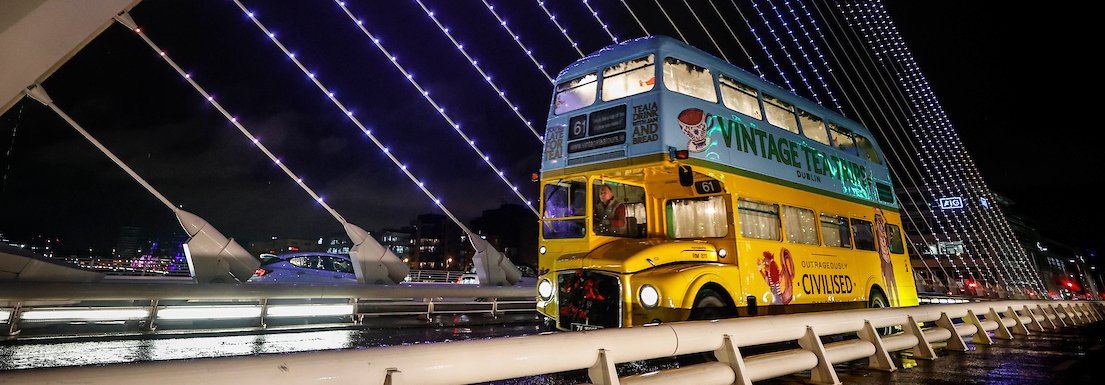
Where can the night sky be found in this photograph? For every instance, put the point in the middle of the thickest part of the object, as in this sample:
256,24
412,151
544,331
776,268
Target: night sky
1013,82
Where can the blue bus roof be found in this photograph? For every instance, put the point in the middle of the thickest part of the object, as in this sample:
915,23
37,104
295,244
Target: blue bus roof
665,46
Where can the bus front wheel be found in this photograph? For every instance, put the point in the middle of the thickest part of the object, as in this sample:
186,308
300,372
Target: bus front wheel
710,305
878,300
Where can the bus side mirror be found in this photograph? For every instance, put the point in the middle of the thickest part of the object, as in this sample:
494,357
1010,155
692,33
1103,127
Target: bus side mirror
686,177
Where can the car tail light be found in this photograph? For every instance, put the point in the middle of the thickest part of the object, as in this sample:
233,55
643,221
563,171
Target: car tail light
261,272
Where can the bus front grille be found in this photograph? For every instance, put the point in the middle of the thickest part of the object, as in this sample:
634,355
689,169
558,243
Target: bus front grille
589,300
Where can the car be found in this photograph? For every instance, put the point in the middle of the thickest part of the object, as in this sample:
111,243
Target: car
305,267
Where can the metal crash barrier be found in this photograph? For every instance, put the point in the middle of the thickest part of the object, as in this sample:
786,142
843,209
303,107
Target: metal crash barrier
68,308
598,351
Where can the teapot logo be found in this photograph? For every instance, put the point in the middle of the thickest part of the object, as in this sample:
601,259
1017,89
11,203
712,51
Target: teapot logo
693,123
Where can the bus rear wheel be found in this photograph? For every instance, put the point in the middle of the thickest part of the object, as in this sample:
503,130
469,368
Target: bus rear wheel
878,300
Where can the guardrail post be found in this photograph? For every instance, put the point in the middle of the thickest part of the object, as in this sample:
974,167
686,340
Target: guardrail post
1063,312
1096,308
1051,324
151,321
881,359
353,316
981,337
603,372
955,342
13,319
1035,325
1057,316
823,373
495,307
430,309
393,377
1002,332
730,355
923,350
1091,308
1019,328
264,312
1082,313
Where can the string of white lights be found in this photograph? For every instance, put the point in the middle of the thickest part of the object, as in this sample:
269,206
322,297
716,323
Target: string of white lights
763,46
476,65
888,128
437,106
666,16
956,184
517,40
126,21
605,27
948,173
349,113
752,62
816,50
563,31
786,52
900,54
884,37
707,30
634,14
925,156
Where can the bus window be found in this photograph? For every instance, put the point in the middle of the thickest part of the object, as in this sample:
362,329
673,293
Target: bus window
813,127
739,97
618,209
835,231
863,234
842,139
780,114
800,225
628,78
895,235
576,93
689,79
867,150
565,209
758,220
697,218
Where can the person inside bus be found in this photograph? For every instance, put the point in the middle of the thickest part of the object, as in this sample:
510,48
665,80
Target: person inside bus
609,213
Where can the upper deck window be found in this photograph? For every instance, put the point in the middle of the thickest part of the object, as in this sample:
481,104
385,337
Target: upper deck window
842,139
576,93
739,97
867,149
628,78
813,127
689,79
780,113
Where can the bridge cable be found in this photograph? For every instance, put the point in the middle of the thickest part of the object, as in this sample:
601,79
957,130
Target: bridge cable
707,30
440,110
816,51
518,40
724,22
36,92
475,65
356,121
786,52
125,20
666,16
563,31
638,20
605,27
763,46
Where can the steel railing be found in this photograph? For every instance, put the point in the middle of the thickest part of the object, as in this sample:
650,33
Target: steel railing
598,351
147,305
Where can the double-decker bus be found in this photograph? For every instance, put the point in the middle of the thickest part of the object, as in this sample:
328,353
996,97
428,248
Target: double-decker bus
677,186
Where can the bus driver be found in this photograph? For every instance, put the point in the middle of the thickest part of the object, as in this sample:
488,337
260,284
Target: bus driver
609,213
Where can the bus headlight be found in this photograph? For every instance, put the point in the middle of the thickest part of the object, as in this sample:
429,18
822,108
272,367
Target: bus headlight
544,289
722,253
650,297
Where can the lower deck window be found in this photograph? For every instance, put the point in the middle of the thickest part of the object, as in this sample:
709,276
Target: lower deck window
758,219
800,224
697,218
863,234
834,230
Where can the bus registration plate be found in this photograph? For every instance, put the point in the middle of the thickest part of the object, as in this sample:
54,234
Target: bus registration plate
581,327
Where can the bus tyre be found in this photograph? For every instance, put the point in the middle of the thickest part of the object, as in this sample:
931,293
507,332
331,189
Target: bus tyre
878,300
710,305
